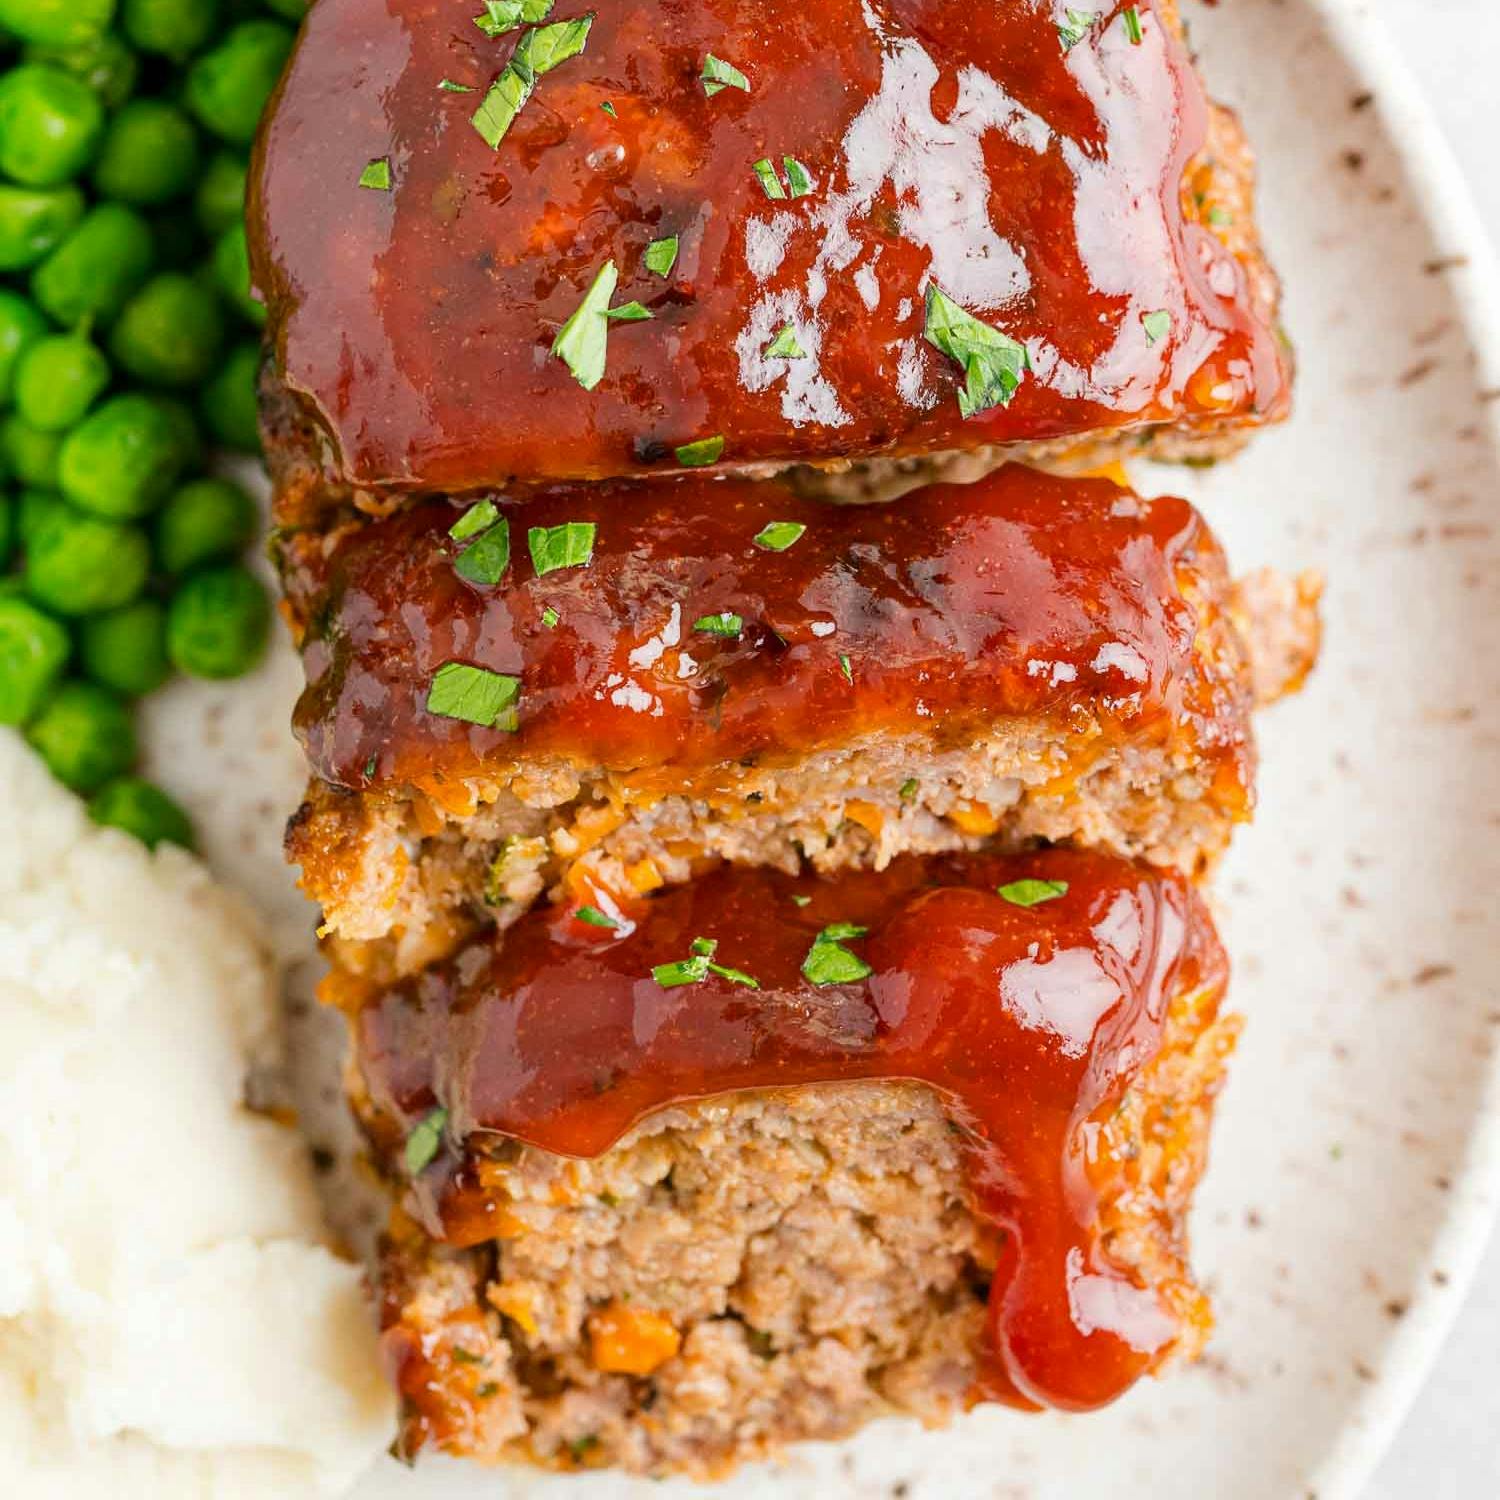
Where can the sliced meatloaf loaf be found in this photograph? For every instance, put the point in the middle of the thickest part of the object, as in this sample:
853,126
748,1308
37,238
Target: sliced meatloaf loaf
772,1155
661,234
720,670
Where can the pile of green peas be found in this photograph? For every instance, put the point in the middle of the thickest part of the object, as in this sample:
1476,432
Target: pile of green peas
128,357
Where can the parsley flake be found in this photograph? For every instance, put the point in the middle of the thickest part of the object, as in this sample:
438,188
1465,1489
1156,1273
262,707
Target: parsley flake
609,109
475,695
696,969
448,86
548,46
718,74
582,342
477,518
766,174
1076,27
377,175
661,255
539,51
785,345
550,618
570,545
487,557
595,918
845,668
703,451
908,789
1132,19
728,625
1032,892
628,312
993,362
1157,325
829,962
801,900
425,1140
501,16
777,536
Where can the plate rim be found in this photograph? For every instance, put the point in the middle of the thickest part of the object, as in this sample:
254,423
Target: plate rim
1439,189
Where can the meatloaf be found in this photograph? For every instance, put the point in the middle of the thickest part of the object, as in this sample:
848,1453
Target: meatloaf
721,670
770,1155
663,235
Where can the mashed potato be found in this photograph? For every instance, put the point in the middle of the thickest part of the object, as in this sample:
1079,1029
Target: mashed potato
170,1322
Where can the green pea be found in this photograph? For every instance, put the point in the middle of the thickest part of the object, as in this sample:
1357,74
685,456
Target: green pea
33,652
126,649
185,429
93,272
142,810
209,520
85,735
232,273
31,508
34,221
57,380
31,455
149,154
227,88
56,23
104,63
78,565
170,332
217,623
220,200
229,403
122,460
21,325
174,28
50,125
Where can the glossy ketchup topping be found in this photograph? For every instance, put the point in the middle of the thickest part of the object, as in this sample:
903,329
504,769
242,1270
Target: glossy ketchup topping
1030,1020
902,143
1022,594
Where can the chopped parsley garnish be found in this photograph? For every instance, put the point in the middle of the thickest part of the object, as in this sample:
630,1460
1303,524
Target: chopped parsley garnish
785,345
777,536
582,341
377,175
477,518
1220,216
487,557
505,15
474,694
1076,27
718,74
704,451
696,969
595,918
993,362
1032,892
766,174
1157,325
550,618
609,109
908,789
570,545
844,666
798,179
425,1140
801,900
661,255
829,962
448,86
539,51
1132,18
628,312
728,625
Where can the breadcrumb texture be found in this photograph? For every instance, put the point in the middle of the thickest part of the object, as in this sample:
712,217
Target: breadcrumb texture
758,1270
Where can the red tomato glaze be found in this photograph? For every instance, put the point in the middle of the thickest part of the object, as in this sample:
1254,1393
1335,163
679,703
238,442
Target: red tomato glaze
962,144
1031,1022
1020,595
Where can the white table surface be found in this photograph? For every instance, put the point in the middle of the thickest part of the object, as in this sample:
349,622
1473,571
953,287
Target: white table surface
1449,1448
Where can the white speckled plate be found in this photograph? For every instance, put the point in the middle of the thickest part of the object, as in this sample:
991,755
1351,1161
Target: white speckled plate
1356,1156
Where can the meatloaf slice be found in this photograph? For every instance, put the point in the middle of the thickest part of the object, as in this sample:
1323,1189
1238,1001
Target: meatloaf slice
902,227
736,673
650,1216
